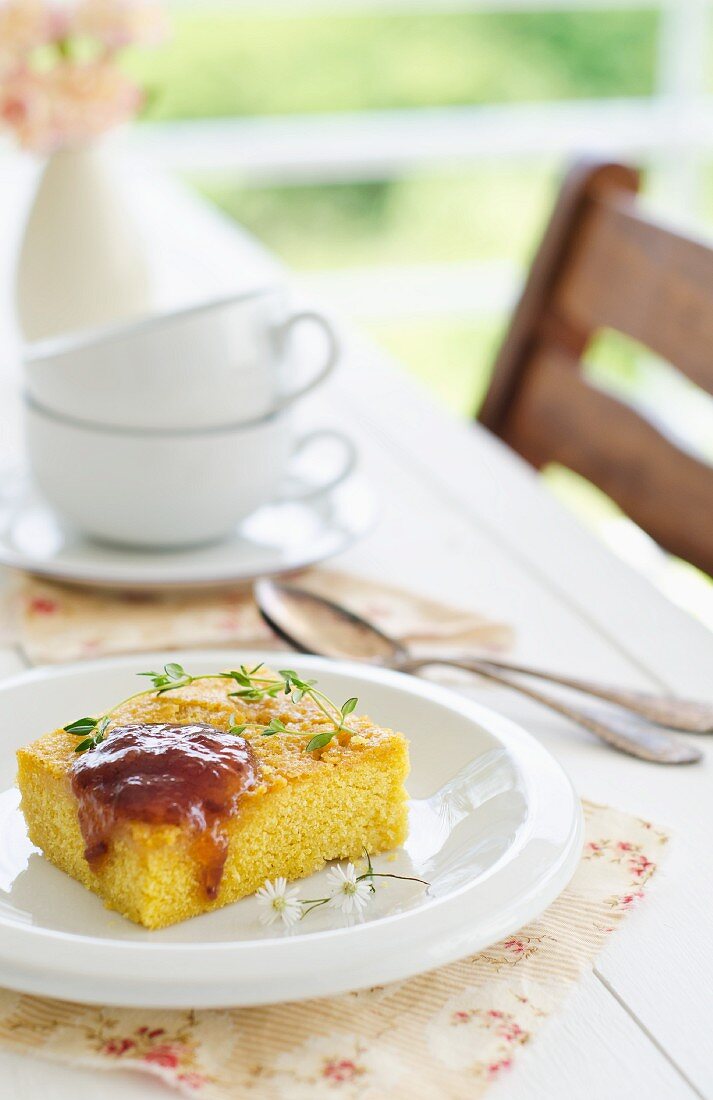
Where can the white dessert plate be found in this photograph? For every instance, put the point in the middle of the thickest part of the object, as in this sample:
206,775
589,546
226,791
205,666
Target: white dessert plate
276,539
495,829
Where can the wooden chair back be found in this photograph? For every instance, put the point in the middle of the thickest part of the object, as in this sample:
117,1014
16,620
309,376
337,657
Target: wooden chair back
603,265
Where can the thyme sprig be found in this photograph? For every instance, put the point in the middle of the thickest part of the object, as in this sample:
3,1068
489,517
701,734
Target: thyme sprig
251,687
173,676
91,730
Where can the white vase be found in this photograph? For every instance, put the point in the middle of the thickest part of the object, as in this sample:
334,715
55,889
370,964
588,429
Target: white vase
82,262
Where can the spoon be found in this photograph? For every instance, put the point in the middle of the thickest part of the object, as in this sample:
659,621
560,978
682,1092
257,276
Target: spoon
314,624
685,715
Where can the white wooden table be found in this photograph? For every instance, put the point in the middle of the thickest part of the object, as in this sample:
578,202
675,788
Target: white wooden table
461,518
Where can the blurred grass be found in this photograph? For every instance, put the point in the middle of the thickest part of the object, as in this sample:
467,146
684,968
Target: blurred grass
220,63
492,212
223,63
451,357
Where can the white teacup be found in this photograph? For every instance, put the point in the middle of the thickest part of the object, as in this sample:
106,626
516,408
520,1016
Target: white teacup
223,362
167,489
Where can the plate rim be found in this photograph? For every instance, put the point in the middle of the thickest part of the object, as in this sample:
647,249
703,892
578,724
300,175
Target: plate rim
518,742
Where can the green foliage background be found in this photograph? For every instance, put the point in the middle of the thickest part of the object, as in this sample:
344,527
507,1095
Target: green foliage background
220,63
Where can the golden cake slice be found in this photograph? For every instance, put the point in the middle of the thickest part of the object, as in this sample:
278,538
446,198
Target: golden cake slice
172,815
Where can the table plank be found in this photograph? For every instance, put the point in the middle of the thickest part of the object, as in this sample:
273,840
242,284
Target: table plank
453,558
649,963
482,478
655,970
23,1077
494,540
590,1050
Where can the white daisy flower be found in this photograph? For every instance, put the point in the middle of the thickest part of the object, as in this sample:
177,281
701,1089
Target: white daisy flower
278,903
349,895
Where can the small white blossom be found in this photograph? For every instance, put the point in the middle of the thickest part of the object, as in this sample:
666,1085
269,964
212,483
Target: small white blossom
278,903
349,895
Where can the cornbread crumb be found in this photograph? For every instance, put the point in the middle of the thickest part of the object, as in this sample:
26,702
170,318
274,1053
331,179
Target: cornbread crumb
306,809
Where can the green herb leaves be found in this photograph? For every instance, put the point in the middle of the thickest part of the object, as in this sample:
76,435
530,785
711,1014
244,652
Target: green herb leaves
321,740
276,726
173,676
250,687
91,730
81,726
253,688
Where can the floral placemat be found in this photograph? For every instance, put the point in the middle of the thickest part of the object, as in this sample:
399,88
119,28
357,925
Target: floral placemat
448,1033
61,623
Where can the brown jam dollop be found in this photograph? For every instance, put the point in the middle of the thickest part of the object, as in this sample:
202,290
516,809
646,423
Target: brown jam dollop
164,775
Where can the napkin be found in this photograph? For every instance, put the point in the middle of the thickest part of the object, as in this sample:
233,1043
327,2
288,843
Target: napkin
62,623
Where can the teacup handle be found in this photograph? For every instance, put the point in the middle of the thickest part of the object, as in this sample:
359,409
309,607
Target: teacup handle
349,461
332,356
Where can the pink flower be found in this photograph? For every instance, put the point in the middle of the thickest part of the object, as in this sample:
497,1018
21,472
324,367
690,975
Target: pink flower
119,23
24,108
629,900
117,1047
624,846
93,97
166,1056
495,1067
516,946
193,1080
342,1070
60,84
67,104
25,25
460,1017
640,865
42,605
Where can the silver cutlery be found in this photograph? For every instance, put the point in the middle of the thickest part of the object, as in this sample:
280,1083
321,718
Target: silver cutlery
686,715
313,624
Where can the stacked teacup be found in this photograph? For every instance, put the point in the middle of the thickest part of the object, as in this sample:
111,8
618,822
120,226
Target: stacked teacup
170,431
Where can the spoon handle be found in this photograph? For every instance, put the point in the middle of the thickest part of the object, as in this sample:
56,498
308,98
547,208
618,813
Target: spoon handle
622,731
686,715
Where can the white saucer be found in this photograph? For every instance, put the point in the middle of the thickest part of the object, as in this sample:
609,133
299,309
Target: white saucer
276,539
495,828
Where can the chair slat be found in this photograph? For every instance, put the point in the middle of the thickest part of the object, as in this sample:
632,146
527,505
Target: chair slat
560,417
548,266
645,281
602,264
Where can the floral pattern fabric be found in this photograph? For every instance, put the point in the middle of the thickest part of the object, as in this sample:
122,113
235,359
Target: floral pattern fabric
449,1033
62,623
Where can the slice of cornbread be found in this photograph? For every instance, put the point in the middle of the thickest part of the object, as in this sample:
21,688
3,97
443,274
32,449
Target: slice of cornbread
305,808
